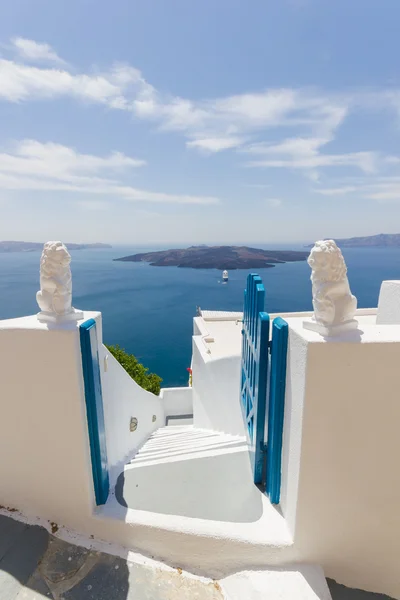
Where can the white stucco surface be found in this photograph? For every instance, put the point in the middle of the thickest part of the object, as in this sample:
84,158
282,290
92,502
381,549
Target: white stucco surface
195,504
389,303
220,315
124,399
177,401
302,582
43,427
216,390
341,483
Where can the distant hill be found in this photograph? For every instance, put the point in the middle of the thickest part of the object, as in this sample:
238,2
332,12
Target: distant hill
217,257
382,240
34,246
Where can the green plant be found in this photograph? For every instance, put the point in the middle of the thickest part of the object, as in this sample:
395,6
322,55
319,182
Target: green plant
148,381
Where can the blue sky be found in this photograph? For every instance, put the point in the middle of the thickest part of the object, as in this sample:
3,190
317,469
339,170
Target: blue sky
214,121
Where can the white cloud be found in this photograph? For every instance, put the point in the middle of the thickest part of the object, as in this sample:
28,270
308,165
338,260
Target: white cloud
304,153
116,88
52,167
215,144
35,51
382,189
274,202
295,126
212,125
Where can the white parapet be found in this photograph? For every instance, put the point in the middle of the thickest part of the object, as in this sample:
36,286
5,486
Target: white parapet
389,303
43,426
340,478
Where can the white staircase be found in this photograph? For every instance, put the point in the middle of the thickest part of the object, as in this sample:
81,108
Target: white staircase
188,498
184,442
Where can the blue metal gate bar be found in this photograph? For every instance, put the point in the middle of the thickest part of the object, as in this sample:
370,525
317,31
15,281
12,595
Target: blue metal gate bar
94,409
276,408
254,370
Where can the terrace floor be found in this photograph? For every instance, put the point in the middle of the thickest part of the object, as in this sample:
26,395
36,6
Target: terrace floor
35,565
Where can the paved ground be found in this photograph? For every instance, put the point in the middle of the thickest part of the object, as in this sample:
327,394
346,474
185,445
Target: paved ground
36,565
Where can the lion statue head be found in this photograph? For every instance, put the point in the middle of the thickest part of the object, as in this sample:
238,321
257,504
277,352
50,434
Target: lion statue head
327,262
55,259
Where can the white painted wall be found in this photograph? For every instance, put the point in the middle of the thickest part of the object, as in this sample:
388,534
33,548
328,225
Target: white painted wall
292,425
177,401
45,468
123,398
389,303
216,390
341,451
43,424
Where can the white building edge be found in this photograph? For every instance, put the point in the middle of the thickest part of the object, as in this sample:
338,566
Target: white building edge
180,484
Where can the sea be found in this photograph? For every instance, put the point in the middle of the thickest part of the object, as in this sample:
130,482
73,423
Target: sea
149,310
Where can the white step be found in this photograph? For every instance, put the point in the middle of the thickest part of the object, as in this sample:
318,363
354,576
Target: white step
183,441
301,582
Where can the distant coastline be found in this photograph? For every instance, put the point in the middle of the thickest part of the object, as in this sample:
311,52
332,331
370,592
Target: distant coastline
382,240
11,246
217,257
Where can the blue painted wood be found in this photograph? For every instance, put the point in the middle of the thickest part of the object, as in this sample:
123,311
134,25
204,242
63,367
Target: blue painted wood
94,409
276,406
255,334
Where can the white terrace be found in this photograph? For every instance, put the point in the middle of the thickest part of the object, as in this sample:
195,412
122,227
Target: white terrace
85,447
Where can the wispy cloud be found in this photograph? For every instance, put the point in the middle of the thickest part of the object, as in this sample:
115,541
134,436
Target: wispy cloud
281,128
35,51
33,165
382,189
215,144
212,125
305,153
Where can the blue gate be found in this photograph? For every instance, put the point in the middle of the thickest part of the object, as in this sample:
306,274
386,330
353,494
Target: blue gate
254,370
276,405
261,416
94,409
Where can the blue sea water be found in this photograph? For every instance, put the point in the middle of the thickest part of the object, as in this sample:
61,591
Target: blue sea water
149,310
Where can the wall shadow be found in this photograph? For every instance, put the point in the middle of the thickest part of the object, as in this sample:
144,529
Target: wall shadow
32,560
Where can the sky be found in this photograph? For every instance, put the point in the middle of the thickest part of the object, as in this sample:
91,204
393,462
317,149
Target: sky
184,121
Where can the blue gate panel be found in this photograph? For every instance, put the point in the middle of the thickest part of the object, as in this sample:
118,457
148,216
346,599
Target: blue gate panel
94,409
276,408
255,334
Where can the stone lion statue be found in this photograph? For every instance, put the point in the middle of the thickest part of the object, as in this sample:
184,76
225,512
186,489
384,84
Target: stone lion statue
333,301
55,295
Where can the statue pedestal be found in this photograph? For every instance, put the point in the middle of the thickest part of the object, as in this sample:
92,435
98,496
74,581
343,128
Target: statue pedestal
51,317
330,331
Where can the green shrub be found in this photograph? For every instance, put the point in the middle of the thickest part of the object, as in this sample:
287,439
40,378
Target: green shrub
138,372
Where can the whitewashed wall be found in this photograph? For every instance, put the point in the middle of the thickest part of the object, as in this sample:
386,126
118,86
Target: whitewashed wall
216,391
341,481
45,468
123,399
177,401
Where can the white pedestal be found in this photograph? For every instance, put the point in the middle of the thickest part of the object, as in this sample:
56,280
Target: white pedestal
389,304
313,325
51,317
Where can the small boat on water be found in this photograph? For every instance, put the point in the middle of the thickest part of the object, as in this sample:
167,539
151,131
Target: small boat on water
225,276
